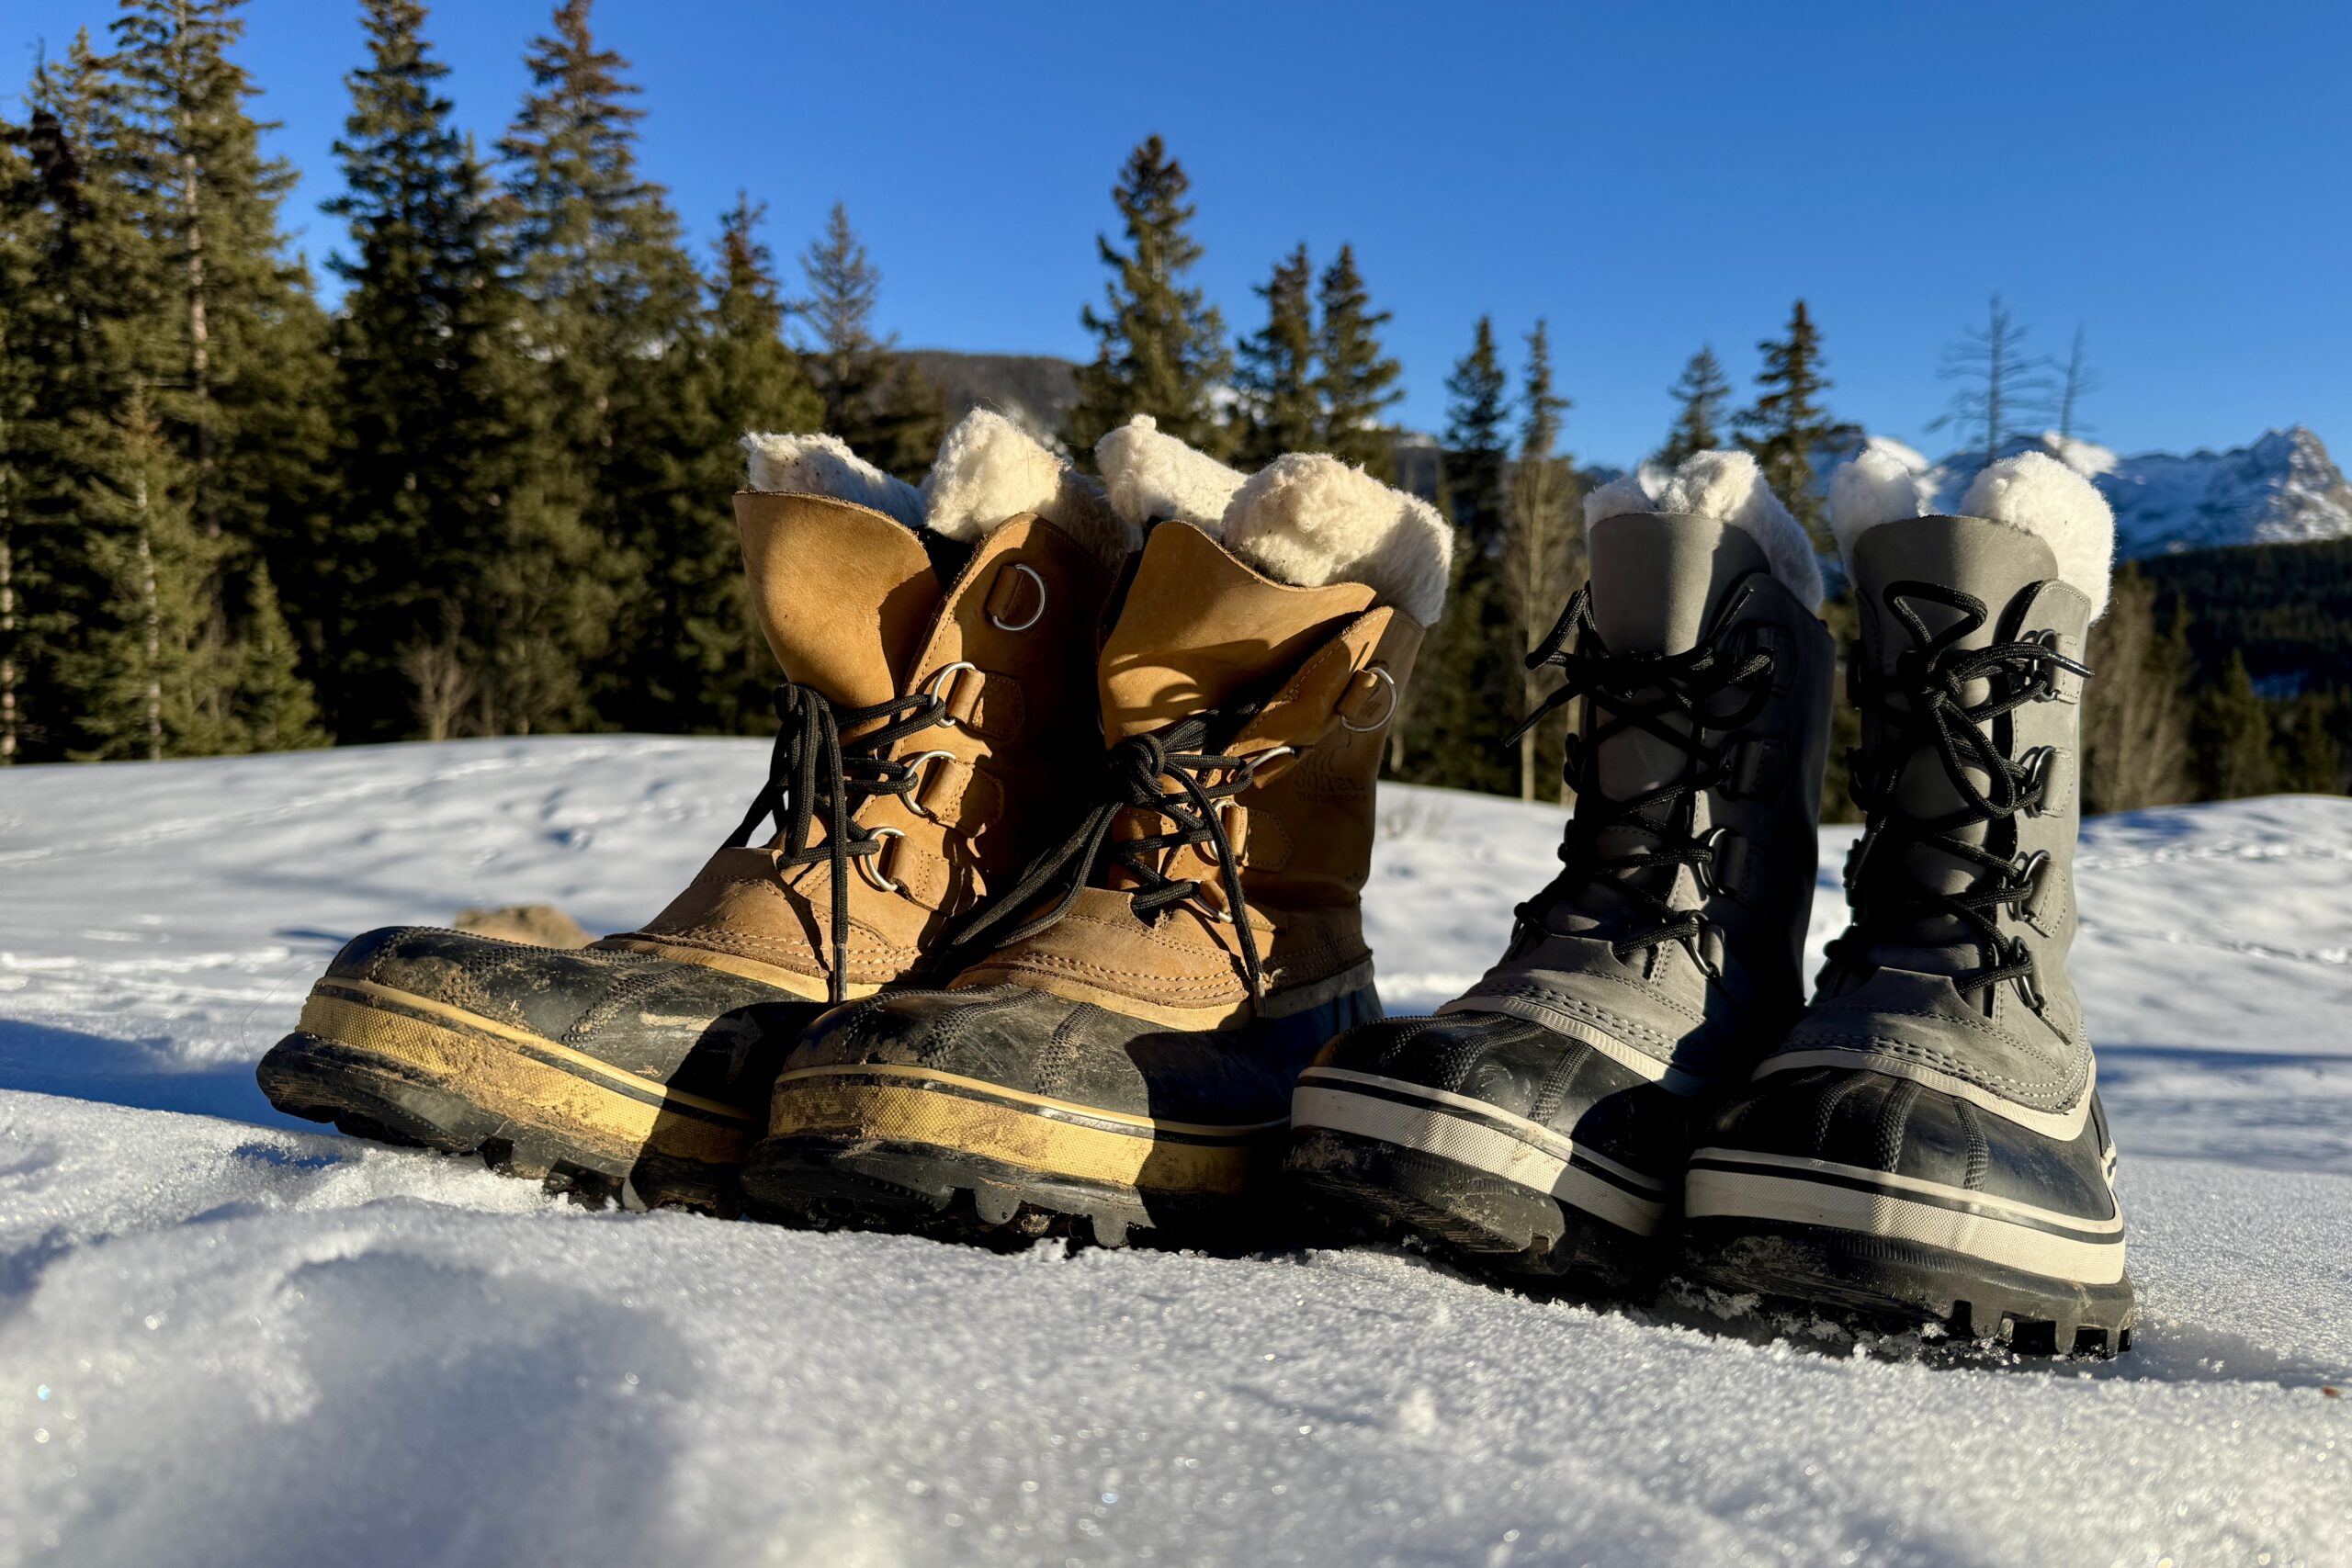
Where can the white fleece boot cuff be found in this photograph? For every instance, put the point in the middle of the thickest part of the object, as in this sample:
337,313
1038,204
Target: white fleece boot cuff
2032,492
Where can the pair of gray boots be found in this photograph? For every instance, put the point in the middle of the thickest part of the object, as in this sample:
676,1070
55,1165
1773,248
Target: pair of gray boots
1640,1085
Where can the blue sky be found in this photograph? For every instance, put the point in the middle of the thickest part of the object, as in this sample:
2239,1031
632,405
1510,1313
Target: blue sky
2177,179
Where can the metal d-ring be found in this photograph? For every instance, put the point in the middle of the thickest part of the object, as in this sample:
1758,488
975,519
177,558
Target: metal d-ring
868,865
937,687
1034,616
914,767
1381,672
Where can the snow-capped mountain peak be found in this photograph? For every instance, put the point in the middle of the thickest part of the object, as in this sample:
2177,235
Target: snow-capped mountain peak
2282,489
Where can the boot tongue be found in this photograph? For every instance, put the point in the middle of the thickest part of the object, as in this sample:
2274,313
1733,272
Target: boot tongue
1992,562
845,594
1201,630
1659,581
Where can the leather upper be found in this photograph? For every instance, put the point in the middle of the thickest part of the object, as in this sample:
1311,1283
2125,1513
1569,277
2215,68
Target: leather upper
1321,670
852,605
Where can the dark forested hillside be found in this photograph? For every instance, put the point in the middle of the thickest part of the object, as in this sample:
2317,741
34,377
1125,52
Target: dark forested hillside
2287,609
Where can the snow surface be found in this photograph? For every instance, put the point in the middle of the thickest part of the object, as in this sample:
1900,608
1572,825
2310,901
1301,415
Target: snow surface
229,1337
2283,488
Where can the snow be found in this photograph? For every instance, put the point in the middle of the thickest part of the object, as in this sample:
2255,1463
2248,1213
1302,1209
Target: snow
2282,489
226,1336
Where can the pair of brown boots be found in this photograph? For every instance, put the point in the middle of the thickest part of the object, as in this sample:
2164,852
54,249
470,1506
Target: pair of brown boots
1073,800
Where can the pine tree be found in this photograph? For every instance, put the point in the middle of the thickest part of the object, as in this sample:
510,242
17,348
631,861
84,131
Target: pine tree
1701,395
1160,347
1787,421
275,707
1355,382
82,341
2231,745
2311,761
150,667
19,220
610,296
873,397
1476,446
1469,691
1543,547
703,667
434,449
212,200
1279,410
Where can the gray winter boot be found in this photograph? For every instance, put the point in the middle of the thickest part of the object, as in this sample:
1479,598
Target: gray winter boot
1542,1121
1927,1145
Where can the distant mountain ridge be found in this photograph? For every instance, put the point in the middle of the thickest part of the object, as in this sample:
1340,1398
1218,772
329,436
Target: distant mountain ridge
2282,489
1035,391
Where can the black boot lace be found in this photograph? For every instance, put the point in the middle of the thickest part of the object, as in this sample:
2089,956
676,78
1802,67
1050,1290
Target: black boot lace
1924,705
1131,781
1643,691
814,777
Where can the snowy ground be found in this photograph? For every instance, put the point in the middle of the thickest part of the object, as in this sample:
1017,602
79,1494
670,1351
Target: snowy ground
227,1338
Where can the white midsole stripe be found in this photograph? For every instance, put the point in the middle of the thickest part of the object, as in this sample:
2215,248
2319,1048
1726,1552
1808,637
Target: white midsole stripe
2112,1226
1434,1131
1728,1195
2063,1126
1557,1143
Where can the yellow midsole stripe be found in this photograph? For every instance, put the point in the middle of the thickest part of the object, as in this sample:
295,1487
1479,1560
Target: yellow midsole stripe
513,1086
1011,1135
997,1092
369,991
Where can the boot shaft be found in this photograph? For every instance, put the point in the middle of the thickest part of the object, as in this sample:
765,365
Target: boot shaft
1688,622
1968,672
1245,689
863,612
1313,674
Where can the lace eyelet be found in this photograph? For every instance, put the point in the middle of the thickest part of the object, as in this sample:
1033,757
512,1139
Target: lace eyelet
2039,762
1023,569
2031,870
1703,872
869,866
942,684
917,778
2029,983
2048,691
1379,673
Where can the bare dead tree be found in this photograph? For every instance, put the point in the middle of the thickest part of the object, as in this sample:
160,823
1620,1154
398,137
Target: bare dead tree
2004,390
2137,708
2078,381
443,687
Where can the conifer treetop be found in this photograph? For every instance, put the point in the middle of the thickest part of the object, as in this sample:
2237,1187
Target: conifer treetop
1702,394
1162,346
1478,410
1355,381
1276,376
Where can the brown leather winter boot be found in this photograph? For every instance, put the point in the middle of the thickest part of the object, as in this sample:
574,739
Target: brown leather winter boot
937,647
1122,1046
